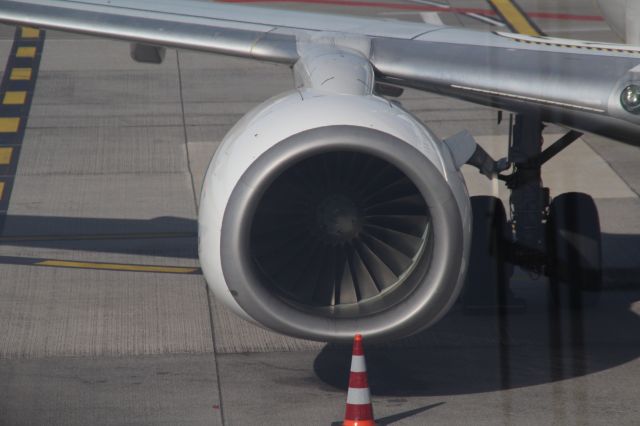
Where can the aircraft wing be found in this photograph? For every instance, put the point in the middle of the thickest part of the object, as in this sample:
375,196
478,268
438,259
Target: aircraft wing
573,83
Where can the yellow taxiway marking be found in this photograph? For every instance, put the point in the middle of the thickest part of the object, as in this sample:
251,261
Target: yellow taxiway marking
26,52
9,124
1,190
28,32
5,155
20,74
117,267
515,17
14,98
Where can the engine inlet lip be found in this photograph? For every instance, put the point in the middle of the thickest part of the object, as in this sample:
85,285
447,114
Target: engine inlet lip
408,314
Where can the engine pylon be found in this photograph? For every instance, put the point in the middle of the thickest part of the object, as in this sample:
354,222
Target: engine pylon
359,410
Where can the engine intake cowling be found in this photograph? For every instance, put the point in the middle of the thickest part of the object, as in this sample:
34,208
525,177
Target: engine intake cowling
337,228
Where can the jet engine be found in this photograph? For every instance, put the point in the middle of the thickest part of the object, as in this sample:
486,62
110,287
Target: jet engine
326,215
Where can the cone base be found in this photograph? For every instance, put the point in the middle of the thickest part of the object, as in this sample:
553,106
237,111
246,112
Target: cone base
358,423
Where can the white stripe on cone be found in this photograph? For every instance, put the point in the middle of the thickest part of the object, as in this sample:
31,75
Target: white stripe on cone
358,396
357,364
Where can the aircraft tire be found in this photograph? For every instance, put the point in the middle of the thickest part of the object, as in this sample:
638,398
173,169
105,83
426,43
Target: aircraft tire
574,251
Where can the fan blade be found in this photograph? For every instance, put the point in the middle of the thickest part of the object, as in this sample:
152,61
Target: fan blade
365,284
347,287
397,261
413,225
379,271
406,243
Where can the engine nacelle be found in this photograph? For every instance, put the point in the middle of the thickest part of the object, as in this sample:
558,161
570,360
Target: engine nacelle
326,215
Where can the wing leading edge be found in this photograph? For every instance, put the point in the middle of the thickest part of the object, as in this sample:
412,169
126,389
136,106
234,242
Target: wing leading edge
575,84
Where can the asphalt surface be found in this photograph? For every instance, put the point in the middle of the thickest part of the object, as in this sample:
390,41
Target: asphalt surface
110,171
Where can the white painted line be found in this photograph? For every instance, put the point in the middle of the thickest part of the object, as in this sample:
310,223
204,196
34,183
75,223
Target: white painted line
486,19
432,18
432,3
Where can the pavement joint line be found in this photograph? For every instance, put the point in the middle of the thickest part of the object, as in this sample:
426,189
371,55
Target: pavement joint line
195,204
515,18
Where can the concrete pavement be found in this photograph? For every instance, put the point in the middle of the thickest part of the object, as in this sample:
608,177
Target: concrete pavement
119,148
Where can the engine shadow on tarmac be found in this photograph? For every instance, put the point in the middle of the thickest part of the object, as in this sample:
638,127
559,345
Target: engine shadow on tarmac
151,237
461,354
162,236
465,354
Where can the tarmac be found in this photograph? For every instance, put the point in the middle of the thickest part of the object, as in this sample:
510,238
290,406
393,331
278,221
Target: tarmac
107,186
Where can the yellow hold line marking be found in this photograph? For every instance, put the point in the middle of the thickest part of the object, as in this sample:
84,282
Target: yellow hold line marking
512,14
26,52
20,74
117,267
1,190
14,98
5,155
9,124
28,32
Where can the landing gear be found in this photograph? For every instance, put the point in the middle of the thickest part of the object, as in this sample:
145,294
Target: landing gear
488,273
559,238
574,251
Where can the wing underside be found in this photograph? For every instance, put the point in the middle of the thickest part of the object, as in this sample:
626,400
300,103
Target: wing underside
575,84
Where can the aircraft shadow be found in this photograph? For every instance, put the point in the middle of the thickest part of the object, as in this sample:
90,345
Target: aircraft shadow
465,353
176,237
460,354
162,236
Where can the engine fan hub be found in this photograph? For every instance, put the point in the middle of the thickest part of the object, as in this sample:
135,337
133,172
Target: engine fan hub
339,219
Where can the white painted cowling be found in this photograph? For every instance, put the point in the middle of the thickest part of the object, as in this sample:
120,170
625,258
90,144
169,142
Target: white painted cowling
307,125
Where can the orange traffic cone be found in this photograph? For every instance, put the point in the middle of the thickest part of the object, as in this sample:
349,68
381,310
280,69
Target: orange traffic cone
359,409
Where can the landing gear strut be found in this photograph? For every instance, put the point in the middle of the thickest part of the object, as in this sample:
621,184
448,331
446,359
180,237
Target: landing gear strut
559,238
